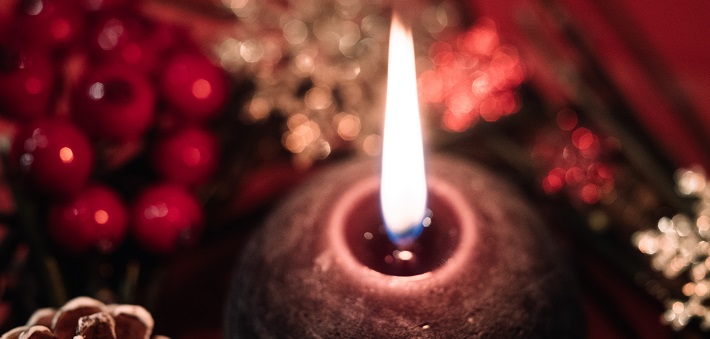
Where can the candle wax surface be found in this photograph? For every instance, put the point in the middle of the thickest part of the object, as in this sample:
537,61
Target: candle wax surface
368,241
303,275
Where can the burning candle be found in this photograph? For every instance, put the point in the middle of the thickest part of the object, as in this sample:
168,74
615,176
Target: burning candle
403,190
451,253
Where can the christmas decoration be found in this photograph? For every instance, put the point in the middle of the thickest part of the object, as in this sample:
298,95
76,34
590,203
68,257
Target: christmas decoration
166,217
54,156
114,103
188,156
96,64
321,67
95,218
87,318
193,86
119,36
50,24
99,105
474,77
679,246
572,159
27,79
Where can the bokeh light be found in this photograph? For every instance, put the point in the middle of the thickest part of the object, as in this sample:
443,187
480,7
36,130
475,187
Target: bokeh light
473,78
571,160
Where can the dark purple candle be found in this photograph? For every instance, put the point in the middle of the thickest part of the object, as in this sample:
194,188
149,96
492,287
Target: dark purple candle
478,263
495,274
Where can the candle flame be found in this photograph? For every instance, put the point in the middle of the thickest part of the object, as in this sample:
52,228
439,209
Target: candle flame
403,189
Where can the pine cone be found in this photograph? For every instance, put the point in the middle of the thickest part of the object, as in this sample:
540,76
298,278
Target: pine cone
86,318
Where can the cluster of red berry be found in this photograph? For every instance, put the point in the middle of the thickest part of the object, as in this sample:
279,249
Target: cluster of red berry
574,159
83,76
474,78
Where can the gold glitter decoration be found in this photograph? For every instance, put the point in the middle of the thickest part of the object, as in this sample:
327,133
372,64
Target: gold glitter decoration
322,66
680,245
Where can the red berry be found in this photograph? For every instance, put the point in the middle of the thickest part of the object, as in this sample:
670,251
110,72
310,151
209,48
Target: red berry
194,86
49,23
124,38
95,218
54,156
26,82
187,157
114,103
112,31
166,217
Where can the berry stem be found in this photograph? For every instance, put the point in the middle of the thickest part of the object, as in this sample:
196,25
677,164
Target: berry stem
28,224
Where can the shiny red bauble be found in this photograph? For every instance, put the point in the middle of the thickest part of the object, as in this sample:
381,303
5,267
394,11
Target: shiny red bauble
95,218
53,155
195,87
187,157
114,102
166,217
27,81
49,23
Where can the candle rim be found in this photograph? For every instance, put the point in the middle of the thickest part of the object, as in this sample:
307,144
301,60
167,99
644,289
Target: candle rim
343,254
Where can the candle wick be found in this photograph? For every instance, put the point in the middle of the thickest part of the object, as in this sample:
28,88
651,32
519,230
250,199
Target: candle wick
406,238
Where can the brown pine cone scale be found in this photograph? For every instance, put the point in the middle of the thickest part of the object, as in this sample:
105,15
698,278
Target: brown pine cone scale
87,318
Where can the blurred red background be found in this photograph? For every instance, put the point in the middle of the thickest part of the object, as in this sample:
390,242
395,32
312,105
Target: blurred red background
654,51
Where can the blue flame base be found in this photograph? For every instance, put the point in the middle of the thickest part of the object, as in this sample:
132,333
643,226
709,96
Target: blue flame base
406,238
